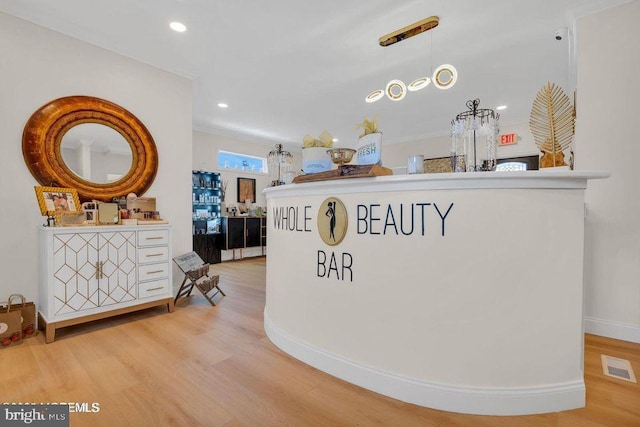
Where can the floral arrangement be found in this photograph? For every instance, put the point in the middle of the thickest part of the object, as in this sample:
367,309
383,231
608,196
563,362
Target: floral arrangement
368,126
223,189
324,140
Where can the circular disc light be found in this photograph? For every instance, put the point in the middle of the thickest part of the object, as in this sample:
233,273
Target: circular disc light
396,90
178,26
418,84
222,105
440,74
374,96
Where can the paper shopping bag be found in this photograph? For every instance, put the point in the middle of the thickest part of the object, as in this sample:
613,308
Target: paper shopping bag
10,328
27,312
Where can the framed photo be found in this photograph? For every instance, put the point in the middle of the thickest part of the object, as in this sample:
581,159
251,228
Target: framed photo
246,190
52,199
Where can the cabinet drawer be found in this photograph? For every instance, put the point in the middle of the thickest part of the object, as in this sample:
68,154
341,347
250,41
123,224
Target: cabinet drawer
153,237
147,255
150,289
153,271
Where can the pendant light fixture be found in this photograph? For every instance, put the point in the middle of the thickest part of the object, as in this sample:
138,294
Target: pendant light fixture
440,78
419,83
396,90
444,77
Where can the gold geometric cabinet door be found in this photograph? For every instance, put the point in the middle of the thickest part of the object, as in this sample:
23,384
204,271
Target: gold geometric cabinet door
93,270
75,257
117,267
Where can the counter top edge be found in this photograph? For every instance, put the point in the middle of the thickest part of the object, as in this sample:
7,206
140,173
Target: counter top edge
443,181
102,228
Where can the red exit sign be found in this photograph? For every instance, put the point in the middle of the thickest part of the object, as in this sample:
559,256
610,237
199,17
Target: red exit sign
508,139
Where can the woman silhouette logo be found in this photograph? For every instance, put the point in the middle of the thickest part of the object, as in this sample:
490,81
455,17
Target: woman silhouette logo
331,213
332,221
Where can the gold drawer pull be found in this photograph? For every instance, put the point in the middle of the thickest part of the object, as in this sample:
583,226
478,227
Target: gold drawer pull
154,238
150,255
155,289
155,272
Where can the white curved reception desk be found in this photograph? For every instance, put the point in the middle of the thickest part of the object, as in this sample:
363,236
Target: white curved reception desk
460,292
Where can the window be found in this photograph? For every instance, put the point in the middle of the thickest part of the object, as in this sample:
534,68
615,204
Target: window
524,163
241,162
512,166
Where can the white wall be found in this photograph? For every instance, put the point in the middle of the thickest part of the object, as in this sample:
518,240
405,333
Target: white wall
39,65
205,157
395,155
607,96
608,67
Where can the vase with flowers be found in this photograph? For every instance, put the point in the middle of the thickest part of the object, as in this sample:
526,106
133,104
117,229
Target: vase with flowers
314,153
370,143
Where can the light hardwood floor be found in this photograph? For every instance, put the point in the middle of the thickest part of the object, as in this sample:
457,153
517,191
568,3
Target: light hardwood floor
213,366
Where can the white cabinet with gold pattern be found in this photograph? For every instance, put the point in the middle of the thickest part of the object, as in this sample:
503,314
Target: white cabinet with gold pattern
89,273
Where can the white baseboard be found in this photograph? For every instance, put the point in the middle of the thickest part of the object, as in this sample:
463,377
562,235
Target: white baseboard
610,329
468,400
246,253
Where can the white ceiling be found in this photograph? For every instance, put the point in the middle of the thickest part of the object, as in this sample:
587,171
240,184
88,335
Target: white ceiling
291,67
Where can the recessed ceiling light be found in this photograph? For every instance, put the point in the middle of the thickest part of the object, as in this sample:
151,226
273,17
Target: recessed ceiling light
178,26
335,140
501,107
222,105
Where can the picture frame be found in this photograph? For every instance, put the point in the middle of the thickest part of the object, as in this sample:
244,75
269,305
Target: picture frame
52,199
246,190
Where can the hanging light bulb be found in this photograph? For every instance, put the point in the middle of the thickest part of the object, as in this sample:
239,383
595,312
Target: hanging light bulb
440,74
396,90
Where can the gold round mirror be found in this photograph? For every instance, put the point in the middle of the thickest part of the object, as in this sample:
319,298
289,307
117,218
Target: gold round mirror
65,143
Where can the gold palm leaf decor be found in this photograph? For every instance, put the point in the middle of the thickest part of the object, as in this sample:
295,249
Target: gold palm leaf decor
552,124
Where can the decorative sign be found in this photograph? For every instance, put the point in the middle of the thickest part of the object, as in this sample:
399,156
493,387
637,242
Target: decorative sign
508,139
188,261
332,221
402,220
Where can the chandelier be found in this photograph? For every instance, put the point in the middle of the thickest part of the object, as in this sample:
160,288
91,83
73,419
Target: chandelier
474,139
444,77
279,162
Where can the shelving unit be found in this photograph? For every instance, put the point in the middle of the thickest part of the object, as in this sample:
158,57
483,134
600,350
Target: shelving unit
242,232
206,198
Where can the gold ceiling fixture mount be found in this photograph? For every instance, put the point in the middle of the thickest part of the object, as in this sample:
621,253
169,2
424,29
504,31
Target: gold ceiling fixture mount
409,31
